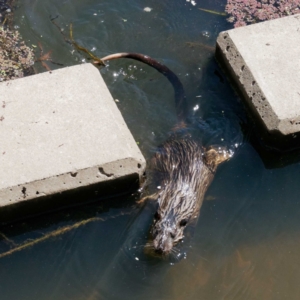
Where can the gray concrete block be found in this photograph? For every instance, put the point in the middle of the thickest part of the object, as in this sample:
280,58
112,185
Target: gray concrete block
264,61
59,131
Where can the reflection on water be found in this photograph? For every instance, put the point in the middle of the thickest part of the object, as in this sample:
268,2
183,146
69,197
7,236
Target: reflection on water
245,243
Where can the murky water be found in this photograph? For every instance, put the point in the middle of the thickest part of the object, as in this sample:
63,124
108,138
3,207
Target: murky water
246,243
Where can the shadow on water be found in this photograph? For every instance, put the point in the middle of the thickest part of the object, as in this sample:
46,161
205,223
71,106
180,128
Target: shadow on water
245,243
119,229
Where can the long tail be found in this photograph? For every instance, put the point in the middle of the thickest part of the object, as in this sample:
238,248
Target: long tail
180,97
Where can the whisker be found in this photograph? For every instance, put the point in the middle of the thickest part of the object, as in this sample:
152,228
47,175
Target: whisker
175,250
138,246
149,245
173,256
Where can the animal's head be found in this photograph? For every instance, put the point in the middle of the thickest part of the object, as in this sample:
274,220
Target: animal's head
171,218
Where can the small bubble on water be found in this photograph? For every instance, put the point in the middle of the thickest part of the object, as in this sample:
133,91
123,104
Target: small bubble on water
93,49
136,258
95,14
196,107
147,9
193,2
205,33
158,187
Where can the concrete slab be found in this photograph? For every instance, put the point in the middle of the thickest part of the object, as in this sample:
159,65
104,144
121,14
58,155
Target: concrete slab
264,61
60,131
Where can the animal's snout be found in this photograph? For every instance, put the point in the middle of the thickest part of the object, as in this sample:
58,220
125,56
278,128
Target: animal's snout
163,243
159,250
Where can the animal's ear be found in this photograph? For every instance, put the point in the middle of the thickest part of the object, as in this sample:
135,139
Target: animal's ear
214,157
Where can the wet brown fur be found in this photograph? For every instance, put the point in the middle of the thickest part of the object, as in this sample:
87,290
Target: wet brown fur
187,170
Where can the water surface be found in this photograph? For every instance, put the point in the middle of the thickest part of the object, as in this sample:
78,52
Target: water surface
245,243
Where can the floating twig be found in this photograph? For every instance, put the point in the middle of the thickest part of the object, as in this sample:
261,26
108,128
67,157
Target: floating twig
28,243
96,61
54,233
60,29
219,13
7,239
207,47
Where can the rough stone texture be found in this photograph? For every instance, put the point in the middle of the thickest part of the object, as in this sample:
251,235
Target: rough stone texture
264,61
59,131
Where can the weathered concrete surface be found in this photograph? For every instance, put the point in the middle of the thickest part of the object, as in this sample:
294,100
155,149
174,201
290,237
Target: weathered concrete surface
264,61
59,131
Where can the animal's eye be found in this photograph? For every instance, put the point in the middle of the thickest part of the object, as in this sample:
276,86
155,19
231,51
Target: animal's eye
183,222
157,216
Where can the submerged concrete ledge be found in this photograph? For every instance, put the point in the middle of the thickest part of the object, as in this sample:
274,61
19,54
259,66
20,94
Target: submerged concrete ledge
61,131
263,61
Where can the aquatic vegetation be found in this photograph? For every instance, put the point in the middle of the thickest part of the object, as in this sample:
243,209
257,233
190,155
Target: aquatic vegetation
44,57
16,59
243,12
96,60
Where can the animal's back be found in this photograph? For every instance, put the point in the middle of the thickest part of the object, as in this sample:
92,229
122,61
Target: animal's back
185,170
185,175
